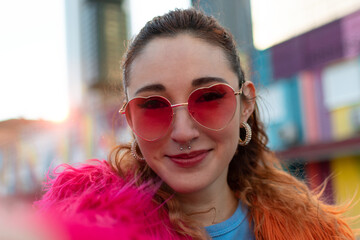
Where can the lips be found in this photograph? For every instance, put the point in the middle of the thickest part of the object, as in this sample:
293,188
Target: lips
189,159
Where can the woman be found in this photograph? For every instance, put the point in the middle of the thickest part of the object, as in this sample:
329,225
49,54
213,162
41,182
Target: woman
199,143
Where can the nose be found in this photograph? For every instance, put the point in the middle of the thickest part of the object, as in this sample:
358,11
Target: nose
184,128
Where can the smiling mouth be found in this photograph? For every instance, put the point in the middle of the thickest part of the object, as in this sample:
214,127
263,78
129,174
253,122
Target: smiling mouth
189,159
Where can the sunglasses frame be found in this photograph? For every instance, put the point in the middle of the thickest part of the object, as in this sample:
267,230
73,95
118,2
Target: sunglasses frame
123,108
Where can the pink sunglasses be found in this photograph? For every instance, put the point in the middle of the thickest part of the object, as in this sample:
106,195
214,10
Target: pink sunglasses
212,107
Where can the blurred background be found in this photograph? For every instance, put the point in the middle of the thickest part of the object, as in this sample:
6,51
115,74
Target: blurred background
60,83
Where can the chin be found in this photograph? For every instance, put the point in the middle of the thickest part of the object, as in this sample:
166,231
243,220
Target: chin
186,188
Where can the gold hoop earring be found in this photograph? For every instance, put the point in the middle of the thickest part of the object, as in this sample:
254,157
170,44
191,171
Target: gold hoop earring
248,134
134,152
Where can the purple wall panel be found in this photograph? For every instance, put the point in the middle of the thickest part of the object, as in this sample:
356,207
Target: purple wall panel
350,26
310,50
287,58
323,113
322,45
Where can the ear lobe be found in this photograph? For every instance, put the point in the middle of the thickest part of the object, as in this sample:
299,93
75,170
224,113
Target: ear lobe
247,101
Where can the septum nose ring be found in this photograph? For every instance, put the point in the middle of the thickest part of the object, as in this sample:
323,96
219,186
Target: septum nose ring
182,147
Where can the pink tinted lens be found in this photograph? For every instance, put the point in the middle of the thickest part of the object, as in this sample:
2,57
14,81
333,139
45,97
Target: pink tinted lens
213,107
150,117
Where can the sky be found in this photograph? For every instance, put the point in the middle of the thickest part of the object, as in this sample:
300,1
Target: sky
34,81
33,76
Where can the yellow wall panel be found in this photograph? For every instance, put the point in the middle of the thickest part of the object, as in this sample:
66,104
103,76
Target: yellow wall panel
346,184
341,125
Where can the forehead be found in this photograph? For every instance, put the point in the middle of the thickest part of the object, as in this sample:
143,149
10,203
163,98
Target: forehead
176,61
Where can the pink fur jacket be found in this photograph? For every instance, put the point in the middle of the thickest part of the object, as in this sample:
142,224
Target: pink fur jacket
93,202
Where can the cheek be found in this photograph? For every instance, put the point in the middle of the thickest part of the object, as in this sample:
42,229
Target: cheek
145,146
151,150
233,129
227,139
231,134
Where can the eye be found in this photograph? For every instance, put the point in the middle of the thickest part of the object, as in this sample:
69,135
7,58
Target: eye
210,96
153,103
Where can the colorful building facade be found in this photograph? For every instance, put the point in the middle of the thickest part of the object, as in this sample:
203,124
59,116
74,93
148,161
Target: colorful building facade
310,100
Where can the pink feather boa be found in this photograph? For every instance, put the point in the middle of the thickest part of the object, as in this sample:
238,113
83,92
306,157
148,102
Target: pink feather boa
94,202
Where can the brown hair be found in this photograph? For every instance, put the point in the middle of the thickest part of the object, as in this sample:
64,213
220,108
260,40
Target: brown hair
255,175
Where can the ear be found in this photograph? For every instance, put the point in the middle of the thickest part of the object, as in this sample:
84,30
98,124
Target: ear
247,103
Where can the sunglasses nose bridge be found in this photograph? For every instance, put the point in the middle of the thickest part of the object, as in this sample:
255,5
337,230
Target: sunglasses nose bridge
179,105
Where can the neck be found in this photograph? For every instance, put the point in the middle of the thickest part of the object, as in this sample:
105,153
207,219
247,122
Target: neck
209,206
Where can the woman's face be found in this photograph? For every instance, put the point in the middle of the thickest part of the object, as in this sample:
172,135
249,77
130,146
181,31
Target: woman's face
173,67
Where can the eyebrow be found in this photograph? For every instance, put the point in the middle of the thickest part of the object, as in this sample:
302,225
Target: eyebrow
195,83
152,87
206,80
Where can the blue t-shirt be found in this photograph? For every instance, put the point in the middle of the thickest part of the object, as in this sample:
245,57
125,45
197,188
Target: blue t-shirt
235,228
